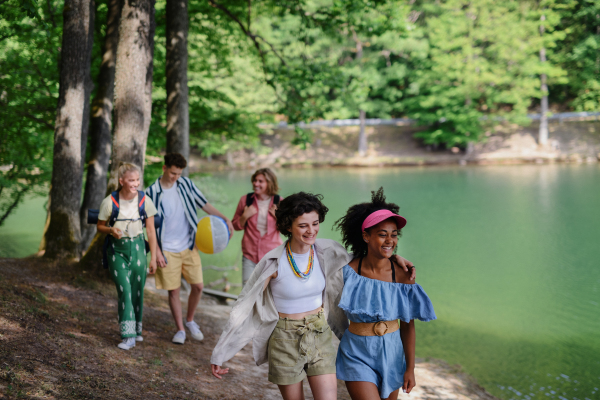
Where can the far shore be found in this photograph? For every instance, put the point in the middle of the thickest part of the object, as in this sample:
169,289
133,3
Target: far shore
569,142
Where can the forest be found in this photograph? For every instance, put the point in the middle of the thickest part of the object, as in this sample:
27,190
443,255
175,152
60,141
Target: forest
85,84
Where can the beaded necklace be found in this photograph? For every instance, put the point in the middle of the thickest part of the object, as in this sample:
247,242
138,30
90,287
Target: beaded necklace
297,272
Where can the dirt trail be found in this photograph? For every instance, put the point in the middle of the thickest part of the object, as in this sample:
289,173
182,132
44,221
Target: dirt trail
58,337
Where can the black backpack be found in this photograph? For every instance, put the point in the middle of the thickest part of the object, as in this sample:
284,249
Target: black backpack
93,219
250,199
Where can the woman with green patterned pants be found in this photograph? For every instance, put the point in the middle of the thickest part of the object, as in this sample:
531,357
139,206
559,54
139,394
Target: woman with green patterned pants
127,252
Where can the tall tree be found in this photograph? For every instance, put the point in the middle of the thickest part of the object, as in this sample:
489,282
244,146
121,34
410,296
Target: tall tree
133,85
101,124
133,100
63,234
543,130
178,119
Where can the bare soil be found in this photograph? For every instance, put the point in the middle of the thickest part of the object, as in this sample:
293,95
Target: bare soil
58,337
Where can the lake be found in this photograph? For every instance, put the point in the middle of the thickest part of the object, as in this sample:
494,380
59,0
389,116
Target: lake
508,254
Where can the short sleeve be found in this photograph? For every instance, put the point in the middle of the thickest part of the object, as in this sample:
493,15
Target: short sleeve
150,207
105,209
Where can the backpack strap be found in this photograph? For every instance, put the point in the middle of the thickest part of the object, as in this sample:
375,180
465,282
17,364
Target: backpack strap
249,199
142,207
114,196
276,199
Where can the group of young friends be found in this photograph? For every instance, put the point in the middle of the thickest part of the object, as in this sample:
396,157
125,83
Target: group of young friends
296,293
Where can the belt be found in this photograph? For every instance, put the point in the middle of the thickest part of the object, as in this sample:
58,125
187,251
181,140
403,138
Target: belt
307,329
379,328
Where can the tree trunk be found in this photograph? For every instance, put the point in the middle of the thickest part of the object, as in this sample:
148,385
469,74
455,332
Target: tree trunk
133,86
63,234
362,136
543,132
89,86
101,124
178,120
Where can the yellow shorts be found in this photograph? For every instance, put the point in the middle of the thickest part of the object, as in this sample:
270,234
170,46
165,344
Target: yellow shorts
186,263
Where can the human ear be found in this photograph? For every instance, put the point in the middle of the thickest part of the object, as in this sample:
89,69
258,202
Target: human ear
365,236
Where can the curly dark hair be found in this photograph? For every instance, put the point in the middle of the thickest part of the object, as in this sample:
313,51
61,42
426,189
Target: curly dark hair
350,225
175,159
296,205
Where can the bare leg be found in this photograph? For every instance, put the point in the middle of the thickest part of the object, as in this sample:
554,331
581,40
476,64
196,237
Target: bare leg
194,299
365,391
292,392
323,387
175,305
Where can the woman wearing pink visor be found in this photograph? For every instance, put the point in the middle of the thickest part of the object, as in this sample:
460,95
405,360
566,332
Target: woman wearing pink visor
376,356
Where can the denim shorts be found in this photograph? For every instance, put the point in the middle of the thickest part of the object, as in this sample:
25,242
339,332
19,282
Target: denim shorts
299,348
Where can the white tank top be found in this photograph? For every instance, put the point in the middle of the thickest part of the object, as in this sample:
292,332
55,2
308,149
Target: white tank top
293,295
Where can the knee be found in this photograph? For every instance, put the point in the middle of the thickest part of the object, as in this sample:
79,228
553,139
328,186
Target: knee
197,287
174,293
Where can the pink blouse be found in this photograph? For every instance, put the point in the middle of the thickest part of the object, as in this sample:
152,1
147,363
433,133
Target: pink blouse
254,247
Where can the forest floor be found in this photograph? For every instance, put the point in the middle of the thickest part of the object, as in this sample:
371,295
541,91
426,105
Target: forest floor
58,337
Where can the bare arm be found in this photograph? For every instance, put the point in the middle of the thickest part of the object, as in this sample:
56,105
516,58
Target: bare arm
153,243
407,333
108,230
405,265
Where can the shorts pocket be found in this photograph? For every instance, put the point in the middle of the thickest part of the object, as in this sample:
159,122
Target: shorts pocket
283,352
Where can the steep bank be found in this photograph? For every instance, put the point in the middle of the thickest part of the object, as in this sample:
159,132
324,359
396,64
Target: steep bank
570,141
58,337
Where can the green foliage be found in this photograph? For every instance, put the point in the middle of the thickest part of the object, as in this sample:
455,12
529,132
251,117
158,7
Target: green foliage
30,39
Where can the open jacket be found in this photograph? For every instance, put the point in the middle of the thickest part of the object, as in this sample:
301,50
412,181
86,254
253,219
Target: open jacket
254,316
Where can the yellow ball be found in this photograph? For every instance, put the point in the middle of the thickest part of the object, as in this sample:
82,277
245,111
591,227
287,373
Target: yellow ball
212,235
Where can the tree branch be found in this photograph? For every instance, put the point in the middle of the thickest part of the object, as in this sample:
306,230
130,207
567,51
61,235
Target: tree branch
36,119
13,205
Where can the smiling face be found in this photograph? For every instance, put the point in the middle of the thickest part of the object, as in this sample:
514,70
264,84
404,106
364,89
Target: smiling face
130,181
260,185
305,228
382,238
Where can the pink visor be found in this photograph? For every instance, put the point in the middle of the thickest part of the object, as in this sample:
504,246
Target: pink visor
382,215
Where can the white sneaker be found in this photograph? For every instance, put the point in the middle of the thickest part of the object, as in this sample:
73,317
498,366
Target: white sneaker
179,337
139,338
127,343
194,330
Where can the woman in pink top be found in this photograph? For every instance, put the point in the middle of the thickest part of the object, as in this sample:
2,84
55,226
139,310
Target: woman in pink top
255,215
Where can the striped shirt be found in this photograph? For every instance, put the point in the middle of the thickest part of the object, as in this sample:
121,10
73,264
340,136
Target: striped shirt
191,199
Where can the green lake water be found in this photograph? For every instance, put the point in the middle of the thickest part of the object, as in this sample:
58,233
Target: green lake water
509,256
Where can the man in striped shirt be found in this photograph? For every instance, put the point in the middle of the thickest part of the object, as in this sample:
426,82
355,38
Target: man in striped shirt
177,199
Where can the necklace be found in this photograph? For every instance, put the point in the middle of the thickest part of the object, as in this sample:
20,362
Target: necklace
297,272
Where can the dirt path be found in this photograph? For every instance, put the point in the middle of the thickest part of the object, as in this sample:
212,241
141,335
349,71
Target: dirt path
58,337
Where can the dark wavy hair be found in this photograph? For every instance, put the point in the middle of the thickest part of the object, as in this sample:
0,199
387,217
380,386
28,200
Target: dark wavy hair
296,205
350,225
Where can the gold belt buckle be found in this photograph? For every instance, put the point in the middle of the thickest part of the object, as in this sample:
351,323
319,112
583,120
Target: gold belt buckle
377,329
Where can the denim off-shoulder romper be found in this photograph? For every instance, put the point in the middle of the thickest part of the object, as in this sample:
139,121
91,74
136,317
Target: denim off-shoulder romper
378,359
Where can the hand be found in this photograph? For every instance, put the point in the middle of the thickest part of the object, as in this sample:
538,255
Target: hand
160,259
230,226
116,232
217,371
409,381
405,265
152,266
272,210
249,211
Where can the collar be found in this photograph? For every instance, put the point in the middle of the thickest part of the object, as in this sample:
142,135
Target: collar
160,188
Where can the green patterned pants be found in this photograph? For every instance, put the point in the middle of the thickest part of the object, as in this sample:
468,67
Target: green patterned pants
127,266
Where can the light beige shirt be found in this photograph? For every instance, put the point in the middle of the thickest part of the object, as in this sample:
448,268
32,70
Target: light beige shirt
263,212
128,209
254,316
